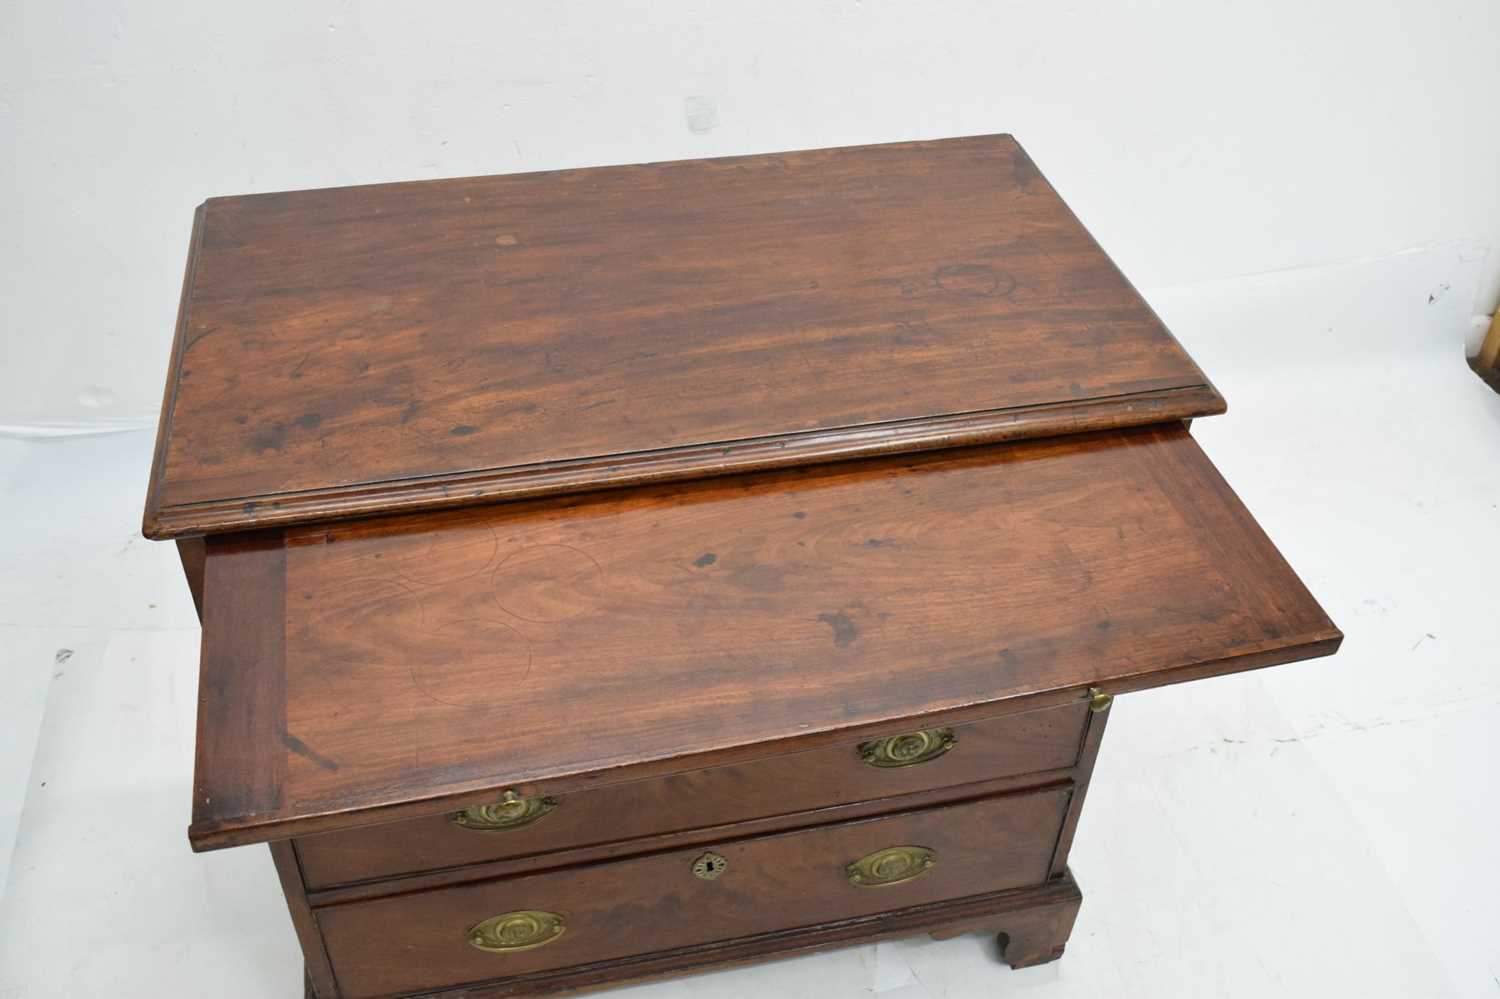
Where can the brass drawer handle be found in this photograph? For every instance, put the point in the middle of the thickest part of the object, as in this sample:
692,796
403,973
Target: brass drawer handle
908,750
892,866
510,932
511,812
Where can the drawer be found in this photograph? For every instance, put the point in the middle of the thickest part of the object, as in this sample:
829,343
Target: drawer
572,916
1012,745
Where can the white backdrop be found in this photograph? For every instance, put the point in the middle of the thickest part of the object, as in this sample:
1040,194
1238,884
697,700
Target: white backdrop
1307,191
1201,140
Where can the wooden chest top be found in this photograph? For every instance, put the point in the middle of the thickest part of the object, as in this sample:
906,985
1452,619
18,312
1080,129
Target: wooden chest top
412,346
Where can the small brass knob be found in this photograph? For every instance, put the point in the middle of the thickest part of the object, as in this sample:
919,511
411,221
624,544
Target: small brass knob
1099,700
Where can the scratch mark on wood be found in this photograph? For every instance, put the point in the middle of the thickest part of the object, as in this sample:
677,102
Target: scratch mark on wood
305,751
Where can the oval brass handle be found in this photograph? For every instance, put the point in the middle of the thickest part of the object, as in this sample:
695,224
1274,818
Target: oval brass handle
511,812
892,866
908,750
515,931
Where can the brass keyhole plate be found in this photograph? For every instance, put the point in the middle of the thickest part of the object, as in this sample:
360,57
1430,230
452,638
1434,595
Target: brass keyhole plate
709,866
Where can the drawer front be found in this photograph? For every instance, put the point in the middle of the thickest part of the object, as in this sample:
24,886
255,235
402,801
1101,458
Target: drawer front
573,916
933,758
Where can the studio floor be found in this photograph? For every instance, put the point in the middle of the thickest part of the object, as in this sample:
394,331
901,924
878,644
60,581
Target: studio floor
1322,829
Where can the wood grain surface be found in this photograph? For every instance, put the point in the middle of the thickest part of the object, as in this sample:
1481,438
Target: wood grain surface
420,345
389,668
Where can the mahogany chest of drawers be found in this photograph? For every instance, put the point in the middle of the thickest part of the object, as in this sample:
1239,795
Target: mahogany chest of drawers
621,572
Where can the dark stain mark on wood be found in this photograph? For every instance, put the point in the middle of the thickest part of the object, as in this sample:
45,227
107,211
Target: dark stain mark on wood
309,421
305,751
800,515
463,430
760,577
881,543
705,560
269,438
914,334
1024,173
844,629
973,280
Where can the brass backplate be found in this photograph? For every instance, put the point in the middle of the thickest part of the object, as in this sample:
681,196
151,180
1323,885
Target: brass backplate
510,932
892,866
909,749
511,812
